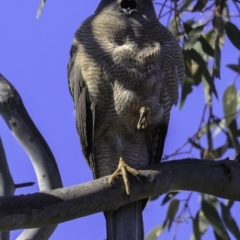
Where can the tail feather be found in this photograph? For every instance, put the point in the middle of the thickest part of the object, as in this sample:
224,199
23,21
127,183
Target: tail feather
125,223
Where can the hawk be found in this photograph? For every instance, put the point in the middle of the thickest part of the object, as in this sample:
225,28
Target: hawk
124,74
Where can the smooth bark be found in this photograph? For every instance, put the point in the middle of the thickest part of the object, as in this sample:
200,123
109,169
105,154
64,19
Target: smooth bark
219,178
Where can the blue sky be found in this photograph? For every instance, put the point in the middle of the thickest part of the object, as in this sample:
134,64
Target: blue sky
33,57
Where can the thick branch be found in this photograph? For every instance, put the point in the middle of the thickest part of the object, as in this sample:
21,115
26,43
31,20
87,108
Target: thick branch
7,187
219,178
23,128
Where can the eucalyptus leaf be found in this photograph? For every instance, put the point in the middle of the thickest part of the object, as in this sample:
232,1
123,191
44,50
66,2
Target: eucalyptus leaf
196,230
217,56
229,203
194,36
203,222
217,237
199,5
39,11
186,90
233,135
155,233
218,152
185,5
220,127
234,67
204,129
229,221
233,34
195,56
230,103
171,213
169,196
214,219
206,47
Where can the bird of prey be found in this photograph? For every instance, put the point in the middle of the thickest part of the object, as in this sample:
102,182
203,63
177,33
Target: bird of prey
124,74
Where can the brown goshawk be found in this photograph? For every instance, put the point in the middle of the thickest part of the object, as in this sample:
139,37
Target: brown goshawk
124,74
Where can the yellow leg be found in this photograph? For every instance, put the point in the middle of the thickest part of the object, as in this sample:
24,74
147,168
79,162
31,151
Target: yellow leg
122,169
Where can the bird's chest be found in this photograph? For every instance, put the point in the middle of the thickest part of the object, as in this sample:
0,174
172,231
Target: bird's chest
130,63
129,98
138,82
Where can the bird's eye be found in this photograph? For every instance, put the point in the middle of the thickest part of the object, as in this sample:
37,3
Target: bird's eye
128,4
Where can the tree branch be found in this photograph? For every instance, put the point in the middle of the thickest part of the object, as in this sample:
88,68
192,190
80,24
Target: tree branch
219,178
24,130
7,187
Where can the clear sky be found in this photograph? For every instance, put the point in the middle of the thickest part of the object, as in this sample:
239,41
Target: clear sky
33,57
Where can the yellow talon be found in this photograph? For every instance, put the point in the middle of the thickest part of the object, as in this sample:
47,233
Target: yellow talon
122,169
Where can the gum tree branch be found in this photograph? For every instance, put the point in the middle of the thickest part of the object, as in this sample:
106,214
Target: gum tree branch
219,178
24,130
7,187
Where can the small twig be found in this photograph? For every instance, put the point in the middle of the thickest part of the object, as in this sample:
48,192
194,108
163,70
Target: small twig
163,5
21,185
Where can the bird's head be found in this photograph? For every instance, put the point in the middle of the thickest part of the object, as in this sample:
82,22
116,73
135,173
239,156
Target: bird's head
128,6
125,6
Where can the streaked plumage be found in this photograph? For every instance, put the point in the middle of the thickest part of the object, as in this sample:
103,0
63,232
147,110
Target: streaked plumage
123,60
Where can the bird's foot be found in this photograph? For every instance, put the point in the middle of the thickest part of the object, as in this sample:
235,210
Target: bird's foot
122,169
145,118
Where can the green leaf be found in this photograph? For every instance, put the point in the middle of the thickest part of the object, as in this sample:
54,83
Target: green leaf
39,11
185,5
195,56
211,37
212,216
217,237
233,135
186,90
187,27
202,227
169,196
218,152
196,230
234,67
238,100
217,56
229,221
206,47
205,128
211,199
220,127
172,210
207,92
233,34
155,232
174,25
188,66
230,103
202,222
194,36
199,5
229,203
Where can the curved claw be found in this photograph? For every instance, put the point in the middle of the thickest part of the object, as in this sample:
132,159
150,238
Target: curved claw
122,169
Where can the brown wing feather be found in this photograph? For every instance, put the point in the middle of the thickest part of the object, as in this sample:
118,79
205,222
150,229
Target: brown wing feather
161,131
85,114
